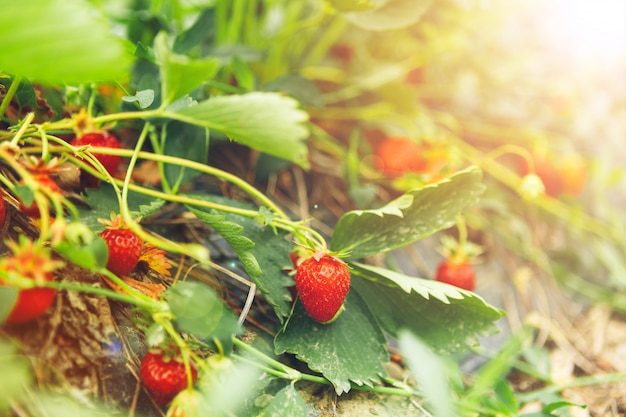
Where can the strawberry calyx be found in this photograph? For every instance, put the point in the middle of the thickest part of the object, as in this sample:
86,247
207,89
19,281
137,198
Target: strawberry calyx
30,261
459,252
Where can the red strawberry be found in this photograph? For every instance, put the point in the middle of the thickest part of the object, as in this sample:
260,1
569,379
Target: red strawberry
456,268
3,211
33,262
124,247
460,274
398,155
164,376
322,282
46,182
101,139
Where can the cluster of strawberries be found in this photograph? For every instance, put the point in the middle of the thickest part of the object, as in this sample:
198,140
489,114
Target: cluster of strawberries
163,374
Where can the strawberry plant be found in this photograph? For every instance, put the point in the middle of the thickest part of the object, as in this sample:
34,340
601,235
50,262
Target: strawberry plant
286,170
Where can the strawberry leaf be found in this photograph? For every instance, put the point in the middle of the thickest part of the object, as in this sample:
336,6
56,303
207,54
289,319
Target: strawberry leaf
445,317
180,74
389,14
264,263
188,142
268,122
8,298
232,233
88,255
48,29
349,349
286,403
103,201
430,372
412,216
17,376
200,311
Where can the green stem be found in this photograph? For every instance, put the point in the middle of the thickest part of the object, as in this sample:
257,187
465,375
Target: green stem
206,169
27,121
10,93
279,366
583,381
148,305
281,370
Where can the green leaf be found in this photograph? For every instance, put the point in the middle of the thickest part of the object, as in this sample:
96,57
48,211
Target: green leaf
225,386
180,74
269,122
56,41
286,403
302,89
548,408
505,397
388,14
88,255
188,142
201,29
25,194
103,201
232,233
25,93
143,98
413,216
443,316
8,298
271,256
430,373
243,74
16,375
352,5
200,311
349,349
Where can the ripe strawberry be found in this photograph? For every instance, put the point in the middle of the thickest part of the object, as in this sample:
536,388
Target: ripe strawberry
124,247
460,274
456,268
3,211
101,139
398,155
164,376
322,282
573,172
33,262
44,180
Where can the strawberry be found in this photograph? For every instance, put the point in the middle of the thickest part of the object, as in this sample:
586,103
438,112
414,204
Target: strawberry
397,155
101,139
458,273
3,211
124,247
45,182
573,172
566,175
456,268
322,282
33,262
165,376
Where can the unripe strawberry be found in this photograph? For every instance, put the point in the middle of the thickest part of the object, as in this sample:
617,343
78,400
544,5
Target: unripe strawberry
322,282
